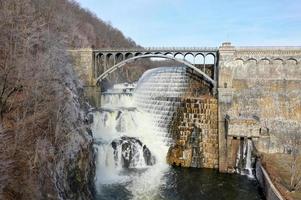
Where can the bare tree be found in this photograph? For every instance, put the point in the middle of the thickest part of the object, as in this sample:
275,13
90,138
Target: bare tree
39,96
290,138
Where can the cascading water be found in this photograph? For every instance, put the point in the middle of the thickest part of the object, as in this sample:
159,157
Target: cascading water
158,93
249,161
131,131
244,159
132,141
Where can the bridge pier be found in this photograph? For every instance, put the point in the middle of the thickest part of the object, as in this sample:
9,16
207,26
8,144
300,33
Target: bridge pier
84,66
225,94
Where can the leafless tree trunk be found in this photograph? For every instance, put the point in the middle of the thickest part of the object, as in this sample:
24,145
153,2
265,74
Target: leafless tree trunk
291,141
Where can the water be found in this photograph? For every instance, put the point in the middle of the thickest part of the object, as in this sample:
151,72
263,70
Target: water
158,93
244,160
190,184
249,167
132,141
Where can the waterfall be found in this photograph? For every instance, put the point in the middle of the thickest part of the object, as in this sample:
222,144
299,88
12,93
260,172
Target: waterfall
158,93
118,134
112,100
244,161
131,131
249,168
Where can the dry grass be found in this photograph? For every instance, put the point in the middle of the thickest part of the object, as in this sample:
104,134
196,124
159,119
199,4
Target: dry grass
278,168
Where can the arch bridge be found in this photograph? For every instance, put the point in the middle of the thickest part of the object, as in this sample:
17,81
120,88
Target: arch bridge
197,60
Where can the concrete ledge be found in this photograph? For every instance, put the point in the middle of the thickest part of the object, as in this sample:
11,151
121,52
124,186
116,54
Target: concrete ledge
269,189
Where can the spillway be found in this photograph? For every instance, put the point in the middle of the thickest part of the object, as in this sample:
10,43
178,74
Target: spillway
138,122
132,139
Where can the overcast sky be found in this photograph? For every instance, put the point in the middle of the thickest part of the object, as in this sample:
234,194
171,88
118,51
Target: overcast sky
203,22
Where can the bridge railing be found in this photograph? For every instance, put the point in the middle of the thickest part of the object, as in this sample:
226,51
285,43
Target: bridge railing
177,49
268,47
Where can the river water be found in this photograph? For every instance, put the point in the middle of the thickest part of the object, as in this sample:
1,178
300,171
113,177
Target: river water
132,141
190,184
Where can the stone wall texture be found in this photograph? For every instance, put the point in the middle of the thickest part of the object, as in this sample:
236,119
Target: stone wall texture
83,64
263,84
194,129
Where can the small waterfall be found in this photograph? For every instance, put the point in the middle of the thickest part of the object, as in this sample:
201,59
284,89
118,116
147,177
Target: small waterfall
118,136
117,100
244,161
129,152
249,157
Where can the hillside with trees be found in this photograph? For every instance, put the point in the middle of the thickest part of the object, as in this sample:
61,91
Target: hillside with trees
45,144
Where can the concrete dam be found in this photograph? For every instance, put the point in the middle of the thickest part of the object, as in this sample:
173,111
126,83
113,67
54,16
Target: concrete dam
230,108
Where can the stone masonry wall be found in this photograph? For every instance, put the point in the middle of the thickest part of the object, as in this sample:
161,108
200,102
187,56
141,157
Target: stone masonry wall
194,129
259,83
83,63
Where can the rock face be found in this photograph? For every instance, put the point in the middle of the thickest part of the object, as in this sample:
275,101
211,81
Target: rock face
131,152
194,129
53,161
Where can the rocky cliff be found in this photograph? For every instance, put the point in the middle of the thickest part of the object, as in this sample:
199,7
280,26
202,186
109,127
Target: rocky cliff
45,147
47,153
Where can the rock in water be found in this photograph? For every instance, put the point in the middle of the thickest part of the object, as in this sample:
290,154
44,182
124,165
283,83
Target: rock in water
129,152
149,159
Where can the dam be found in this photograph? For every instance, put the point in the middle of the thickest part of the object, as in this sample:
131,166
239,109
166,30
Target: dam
134,135
247,83
214,116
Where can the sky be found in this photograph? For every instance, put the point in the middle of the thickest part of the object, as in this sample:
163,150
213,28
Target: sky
190,23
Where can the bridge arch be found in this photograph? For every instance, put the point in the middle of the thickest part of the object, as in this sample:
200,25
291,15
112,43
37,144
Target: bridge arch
295,61
199,59
249,60
169,54
179,56
278,60
265,60
99,59
128,55
210,58
110,59
186,63
119,57
189,57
